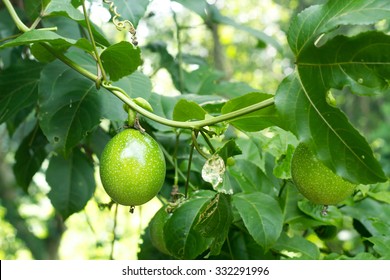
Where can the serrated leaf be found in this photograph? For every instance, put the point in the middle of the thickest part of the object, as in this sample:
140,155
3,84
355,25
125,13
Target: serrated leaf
316,20
296,247
186,110
182,240
29,157
261,215
71,106
19,88
254,121
72,182
121,59
214,221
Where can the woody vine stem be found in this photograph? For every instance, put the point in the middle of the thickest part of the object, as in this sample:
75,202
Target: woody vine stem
122,95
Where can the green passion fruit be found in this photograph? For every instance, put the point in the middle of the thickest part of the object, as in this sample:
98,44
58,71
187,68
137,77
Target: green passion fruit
132,168
316,181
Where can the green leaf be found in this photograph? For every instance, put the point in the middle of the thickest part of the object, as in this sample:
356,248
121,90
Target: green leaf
229,149
372,214
181,239
29,157
250,178
337,143
383,196
133,10
261,215
57,41
34,8
316,20
70,106
215,220
136,85
72,182
381,245
66,9
333,216
121,60
360,256
297,248
19,88
186,110
360,63
255,121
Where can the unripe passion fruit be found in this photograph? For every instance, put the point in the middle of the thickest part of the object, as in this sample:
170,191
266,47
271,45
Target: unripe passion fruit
316,181
132,168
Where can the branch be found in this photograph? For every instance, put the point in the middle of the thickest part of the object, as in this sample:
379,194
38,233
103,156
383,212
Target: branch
122,95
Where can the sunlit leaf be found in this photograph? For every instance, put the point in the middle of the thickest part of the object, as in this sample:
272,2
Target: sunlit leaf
132,10
188,110
316,20
254,121
297,247
121,59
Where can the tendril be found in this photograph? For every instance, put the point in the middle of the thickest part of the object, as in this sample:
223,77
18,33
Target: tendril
122,24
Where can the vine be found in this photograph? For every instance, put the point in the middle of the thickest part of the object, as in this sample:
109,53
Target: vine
123,96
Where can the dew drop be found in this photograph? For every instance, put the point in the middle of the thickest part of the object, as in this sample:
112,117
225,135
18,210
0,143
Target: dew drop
360,80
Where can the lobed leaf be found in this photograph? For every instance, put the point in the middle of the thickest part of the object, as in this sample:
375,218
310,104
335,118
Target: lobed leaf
361,63
319,19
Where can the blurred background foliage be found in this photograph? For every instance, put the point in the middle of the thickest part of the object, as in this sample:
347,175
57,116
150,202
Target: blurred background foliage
168,33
